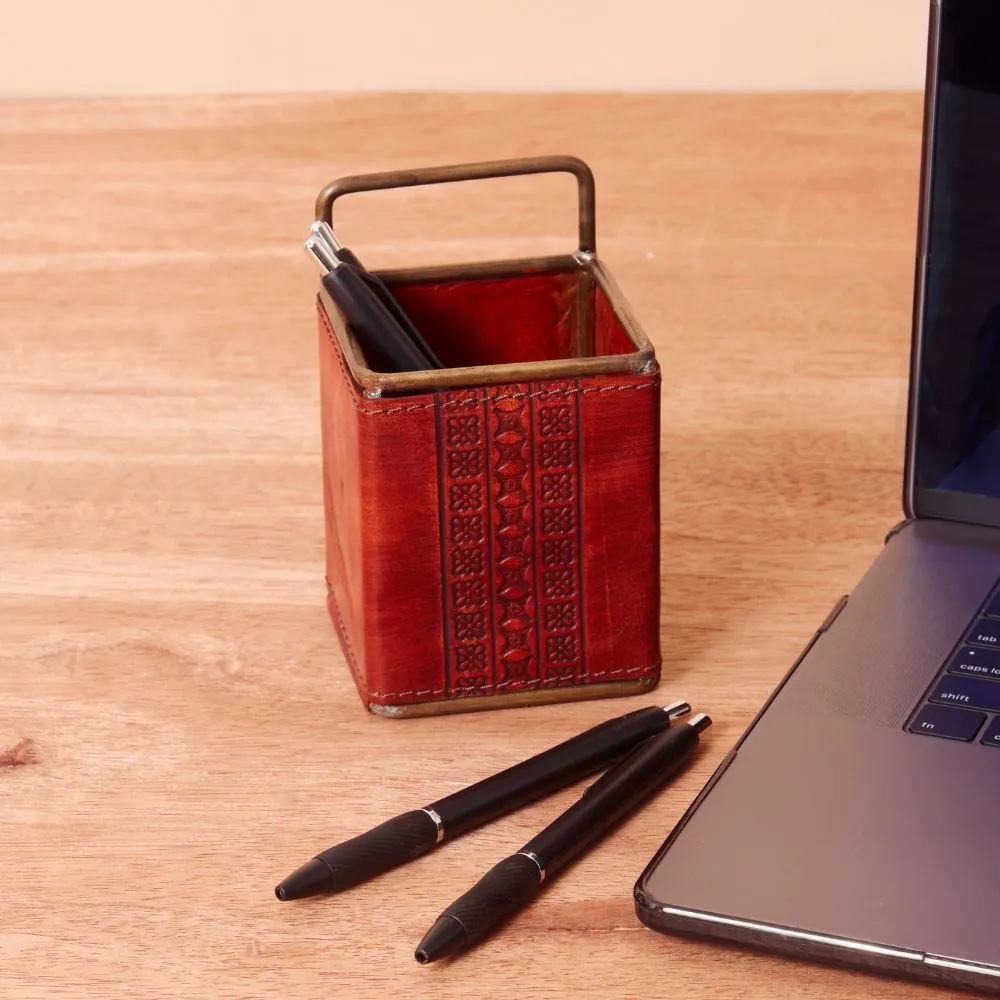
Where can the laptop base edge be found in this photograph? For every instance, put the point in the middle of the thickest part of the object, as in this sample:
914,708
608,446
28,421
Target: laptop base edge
820,949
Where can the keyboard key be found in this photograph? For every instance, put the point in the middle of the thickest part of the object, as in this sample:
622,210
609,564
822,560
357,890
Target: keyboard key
968,692
985,633
976,662
991,738
993,607
949,723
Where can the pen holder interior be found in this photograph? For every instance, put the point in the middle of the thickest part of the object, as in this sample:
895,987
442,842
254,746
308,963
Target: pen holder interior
492,528
517,318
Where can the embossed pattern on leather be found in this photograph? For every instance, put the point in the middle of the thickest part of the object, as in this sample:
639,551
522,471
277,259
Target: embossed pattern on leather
509,468
466,532
558,492
515,600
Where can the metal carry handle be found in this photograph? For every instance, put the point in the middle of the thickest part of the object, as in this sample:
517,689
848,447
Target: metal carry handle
473,172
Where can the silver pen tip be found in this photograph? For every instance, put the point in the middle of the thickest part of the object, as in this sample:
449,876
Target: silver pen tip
320,253
322,231
700,722
677,709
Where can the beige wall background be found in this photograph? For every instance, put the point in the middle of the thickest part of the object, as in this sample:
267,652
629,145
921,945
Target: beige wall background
73,47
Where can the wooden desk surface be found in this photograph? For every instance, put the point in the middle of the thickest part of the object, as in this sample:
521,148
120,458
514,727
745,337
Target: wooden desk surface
163,637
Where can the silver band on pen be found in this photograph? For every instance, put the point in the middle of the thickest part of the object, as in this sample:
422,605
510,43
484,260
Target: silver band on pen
438,822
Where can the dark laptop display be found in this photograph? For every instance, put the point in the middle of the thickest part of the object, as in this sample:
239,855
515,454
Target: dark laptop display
958,424
958,406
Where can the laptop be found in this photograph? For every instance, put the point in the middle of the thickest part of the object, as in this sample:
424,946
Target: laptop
857,821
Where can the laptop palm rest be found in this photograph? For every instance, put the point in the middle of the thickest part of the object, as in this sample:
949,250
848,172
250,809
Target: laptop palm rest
831,821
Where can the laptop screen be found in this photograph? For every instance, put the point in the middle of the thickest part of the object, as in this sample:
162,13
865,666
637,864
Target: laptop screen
957,427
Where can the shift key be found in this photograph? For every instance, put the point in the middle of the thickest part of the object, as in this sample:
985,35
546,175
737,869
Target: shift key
968,692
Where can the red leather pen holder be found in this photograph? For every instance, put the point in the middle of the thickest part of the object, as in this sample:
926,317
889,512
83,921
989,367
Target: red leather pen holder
492,528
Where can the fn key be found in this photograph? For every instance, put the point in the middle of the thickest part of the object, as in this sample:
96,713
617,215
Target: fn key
949,723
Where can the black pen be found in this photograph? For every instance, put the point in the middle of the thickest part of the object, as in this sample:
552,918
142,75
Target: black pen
419,831
382,339
323,232
514,882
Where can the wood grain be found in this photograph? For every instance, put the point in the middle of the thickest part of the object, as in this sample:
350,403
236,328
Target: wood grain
163,637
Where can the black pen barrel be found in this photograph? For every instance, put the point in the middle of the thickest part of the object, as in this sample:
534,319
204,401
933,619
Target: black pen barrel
545,773
506,888
347,256
388,845
612,797
380,289
377,331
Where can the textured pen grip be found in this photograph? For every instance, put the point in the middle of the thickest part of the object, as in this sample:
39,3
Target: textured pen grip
392,843
499,894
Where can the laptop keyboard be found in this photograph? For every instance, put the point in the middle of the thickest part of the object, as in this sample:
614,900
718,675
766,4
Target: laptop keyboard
964,702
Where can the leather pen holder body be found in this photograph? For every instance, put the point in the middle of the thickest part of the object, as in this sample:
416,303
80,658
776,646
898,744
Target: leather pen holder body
492,528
